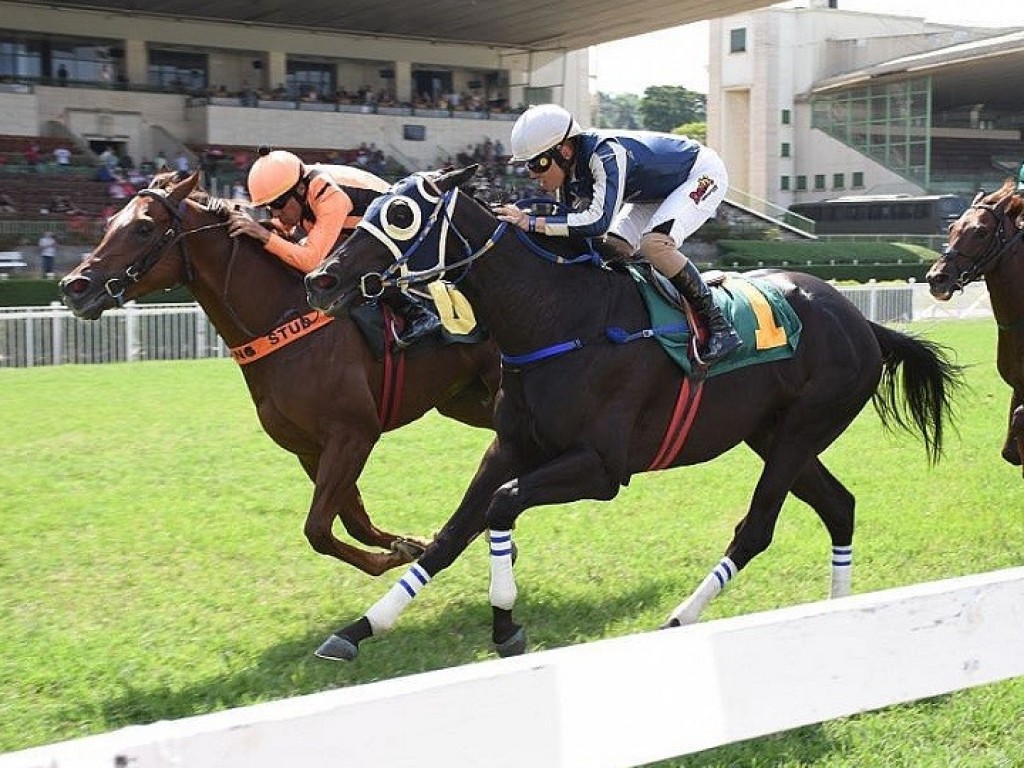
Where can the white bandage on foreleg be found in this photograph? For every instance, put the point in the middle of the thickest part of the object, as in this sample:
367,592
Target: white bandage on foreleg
842,571
384,612
503,582
689,610
661,251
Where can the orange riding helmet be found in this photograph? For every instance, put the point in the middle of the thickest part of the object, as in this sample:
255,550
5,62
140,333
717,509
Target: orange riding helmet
274,174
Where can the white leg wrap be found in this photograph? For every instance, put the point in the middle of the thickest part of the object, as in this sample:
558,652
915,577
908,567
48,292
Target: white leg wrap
842,571
503,581
383,614
689,610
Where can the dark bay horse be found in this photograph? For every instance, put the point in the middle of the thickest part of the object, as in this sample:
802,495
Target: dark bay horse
579,414
322,396
985,243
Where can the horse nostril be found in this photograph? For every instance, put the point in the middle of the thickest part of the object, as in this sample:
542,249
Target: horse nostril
323,281
75,287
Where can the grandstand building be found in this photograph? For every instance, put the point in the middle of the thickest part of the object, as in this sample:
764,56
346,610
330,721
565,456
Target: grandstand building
818,102
148,84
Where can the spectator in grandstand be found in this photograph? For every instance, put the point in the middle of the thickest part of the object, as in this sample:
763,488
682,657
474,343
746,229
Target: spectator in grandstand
47,253
6,204
673,185
325,202
238,191
63,204
62,75
33,155
182,164
160,162
62,156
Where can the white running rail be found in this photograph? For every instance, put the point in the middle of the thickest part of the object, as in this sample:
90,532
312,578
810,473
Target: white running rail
613,703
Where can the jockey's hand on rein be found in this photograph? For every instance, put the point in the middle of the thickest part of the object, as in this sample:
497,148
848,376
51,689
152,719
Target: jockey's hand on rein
242,223
513,215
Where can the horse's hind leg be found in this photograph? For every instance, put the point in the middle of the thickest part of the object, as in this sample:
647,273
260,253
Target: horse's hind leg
790,454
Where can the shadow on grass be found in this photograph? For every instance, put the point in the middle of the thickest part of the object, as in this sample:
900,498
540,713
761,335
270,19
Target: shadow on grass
460,635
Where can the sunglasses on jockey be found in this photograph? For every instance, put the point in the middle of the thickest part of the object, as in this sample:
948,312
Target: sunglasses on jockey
541,162
280,202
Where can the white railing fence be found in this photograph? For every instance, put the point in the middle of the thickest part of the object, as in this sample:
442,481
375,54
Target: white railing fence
51,335
613,703
31,336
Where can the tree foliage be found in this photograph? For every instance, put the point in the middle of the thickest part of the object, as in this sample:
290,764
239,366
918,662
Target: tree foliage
618,111
661,108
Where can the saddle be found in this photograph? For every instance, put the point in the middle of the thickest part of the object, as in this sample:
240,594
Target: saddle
379,326
768,325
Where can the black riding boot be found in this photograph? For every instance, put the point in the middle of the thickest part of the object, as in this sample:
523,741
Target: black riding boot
420,321
722,338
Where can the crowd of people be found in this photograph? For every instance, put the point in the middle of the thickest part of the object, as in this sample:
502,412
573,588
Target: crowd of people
454,101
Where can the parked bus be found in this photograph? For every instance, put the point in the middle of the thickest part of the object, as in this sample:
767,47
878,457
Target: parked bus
883,214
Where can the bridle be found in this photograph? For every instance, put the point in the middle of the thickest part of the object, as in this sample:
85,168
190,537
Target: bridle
117,285
398,275
997,247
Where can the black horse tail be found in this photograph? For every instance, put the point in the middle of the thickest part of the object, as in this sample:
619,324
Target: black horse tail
929,380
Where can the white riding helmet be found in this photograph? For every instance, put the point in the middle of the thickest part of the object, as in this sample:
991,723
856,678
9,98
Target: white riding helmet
540,128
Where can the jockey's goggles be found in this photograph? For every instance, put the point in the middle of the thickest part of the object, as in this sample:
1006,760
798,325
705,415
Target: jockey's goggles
541,162
280,202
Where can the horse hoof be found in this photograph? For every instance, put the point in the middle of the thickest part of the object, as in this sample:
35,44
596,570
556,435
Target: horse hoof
514,646
337,648
408,548
671,624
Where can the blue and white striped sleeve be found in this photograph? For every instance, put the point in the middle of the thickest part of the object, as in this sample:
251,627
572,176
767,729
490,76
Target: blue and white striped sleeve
608,169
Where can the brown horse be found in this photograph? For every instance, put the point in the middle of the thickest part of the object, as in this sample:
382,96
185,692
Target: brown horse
986,242
323,397
588,398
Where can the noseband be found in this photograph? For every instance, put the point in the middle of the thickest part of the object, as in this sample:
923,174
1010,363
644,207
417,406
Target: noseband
173,235
998,245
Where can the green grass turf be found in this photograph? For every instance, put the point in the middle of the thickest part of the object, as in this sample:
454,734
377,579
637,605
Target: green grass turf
152,562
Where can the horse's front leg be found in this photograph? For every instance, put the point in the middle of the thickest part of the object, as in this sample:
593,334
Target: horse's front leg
464,525
578,474
335,495
1013,448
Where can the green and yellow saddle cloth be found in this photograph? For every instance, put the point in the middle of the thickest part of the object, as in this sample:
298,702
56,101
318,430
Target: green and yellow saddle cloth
769,327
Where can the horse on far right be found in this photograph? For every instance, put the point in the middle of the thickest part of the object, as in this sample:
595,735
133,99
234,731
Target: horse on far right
987,241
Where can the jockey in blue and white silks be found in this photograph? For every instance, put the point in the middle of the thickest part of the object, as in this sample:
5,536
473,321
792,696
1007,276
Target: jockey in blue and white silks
651,190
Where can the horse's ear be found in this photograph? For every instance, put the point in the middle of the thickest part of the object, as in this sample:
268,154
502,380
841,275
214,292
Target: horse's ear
978,197
184,187
455,178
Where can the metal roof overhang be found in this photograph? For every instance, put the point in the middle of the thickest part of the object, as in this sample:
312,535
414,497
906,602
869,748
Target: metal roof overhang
524,24
983,72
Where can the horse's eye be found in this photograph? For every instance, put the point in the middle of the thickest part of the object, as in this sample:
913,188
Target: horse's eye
400,218
144,228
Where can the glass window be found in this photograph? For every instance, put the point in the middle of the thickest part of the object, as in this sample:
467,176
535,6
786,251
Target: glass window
801,183
786,117
838,181
784,183
737,40
819,181
858,179
310,79
178,71
784,151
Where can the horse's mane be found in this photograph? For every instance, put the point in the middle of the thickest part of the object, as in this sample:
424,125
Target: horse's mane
1015,204
216,205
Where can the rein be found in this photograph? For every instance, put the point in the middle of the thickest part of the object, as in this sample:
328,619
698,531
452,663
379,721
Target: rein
373,284
173,235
